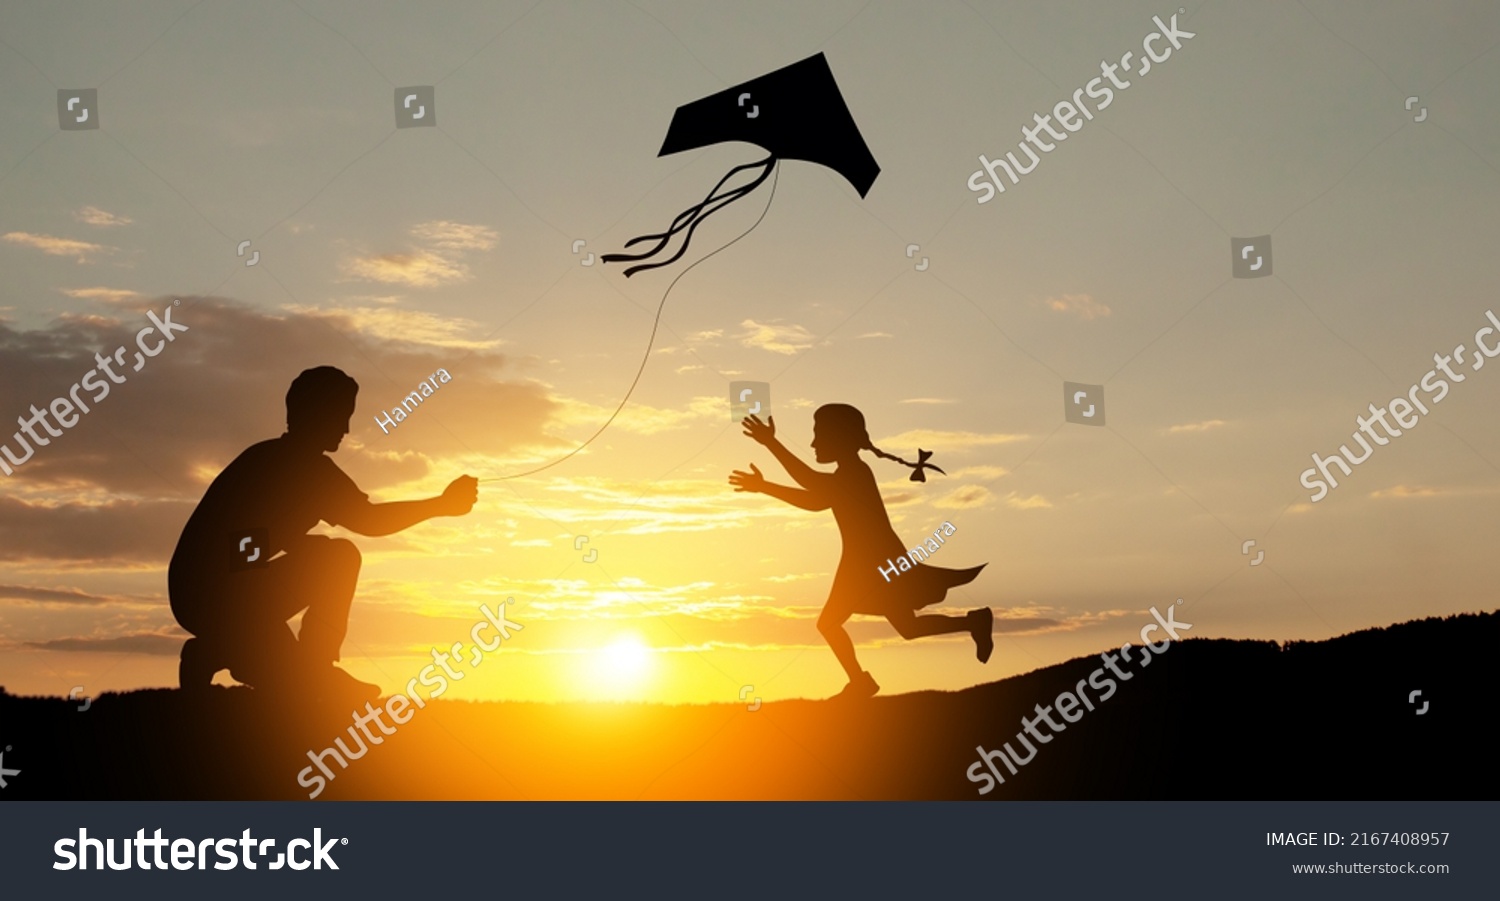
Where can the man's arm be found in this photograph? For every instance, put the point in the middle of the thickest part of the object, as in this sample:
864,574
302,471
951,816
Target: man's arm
376,520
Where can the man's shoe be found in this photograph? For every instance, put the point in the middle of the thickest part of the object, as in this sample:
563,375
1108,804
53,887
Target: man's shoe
982,623
198,666
861,686
333,684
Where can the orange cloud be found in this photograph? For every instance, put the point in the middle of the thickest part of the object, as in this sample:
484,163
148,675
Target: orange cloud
422,269
1203,426
1035,502
436,260
412,326
775,337
58,247
1081,305
964,498
109,295
92,215
939,440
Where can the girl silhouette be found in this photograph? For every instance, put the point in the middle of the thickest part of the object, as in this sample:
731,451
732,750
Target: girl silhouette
870,543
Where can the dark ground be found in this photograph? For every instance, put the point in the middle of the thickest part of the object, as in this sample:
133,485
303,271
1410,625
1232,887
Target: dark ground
1211,719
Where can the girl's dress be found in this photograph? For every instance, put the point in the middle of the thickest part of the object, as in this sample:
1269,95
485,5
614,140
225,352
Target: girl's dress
870,545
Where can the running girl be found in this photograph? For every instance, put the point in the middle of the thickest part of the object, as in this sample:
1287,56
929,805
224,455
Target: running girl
839,435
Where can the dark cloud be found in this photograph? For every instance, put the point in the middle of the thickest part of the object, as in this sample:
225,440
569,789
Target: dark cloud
139,643
49,595
213,391
220,386
114,532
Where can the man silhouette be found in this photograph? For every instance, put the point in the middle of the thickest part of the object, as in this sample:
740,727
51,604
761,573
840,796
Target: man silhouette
232,591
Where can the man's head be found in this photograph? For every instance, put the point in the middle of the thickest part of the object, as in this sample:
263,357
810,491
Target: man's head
318,406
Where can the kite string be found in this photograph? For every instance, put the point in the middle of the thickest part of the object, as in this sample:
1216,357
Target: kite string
651,342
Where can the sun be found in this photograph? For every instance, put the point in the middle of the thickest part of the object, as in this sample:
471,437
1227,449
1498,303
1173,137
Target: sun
622,666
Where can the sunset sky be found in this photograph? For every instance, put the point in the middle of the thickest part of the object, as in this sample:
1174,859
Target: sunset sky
392,252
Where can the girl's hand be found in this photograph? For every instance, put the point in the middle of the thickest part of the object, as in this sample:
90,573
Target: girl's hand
751,481
762,433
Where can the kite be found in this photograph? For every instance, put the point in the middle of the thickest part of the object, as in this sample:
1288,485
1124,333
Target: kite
794,113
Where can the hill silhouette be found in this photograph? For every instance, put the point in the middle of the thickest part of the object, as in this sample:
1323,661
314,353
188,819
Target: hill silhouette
1211,719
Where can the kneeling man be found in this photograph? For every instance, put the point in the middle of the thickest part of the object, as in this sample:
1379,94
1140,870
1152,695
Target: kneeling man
245,563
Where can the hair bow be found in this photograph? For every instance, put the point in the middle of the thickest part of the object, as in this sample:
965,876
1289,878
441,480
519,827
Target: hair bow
917,474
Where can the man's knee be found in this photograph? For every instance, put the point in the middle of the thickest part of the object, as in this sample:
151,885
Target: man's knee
831,624
339,555
344,550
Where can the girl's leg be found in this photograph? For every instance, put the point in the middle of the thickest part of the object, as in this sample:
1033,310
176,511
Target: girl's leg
909,625
979,623
831,624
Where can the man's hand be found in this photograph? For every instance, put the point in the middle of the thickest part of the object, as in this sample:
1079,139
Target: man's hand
459,497
751,481
762,433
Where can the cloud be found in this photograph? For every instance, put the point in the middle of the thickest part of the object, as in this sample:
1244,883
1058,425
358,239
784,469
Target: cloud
775,337
983,473
1035,502
1081,305
794,577
58,247
421,269
446,235
928,400
1203,426
109,533
413,326
643,419
964,498
671,505
1406,491
152,643
435,260
108,295
876,335
92,215
116,487
49,595
939,441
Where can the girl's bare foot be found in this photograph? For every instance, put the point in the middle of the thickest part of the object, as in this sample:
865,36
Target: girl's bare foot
982,623
861,686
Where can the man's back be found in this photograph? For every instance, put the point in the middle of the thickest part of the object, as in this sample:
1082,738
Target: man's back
275,490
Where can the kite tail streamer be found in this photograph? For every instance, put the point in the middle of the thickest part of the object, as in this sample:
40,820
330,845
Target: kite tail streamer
680,221
691,217
656,325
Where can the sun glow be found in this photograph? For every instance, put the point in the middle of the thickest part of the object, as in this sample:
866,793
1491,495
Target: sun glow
623,666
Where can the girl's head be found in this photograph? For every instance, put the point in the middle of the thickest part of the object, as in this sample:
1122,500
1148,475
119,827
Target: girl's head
838,433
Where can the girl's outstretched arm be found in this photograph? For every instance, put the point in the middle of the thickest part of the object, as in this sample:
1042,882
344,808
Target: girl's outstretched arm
753,481
765,434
